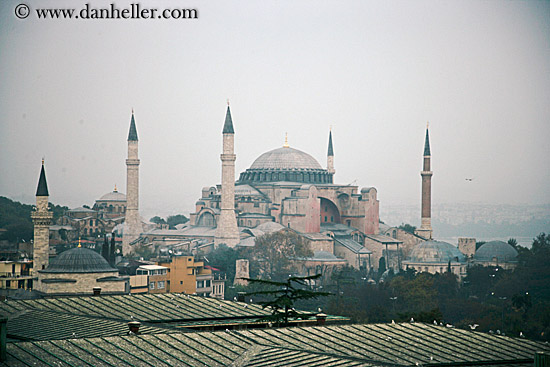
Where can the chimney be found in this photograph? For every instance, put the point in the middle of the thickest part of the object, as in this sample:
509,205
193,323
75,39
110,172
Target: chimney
241,296
112,250
3,337
105,248
97,291
134,327
321,318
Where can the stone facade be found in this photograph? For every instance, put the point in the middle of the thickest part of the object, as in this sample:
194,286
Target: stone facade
133,227
467,246
82,283
241,272
409,239
42,219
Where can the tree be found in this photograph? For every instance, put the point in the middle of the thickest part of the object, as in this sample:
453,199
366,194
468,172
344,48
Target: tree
513,242
157,220
174,220
272,256
283,295
223,258
407,228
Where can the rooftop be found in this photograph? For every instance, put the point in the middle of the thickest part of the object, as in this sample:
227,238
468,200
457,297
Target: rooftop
343,345
79,260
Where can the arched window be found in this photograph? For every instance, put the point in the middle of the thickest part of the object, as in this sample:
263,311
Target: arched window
207,220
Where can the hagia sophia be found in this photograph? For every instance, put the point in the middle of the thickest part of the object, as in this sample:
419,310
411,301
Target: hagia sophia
284,189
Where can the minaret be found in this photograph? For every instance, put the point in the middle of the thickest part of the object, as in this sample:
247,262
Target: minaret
132,228
425,229
330,157
41,218
227,231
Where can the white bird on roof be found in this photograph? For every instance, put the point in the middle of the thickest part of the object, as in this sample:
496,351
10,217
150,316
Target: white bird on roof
474,326
521,334
412,320
393,321
449,325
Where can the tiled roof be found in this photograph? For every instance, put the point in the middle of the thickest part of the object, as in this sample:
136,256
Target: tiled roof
286,159
48,325
352,245
169,307
79,260
383,239
349,345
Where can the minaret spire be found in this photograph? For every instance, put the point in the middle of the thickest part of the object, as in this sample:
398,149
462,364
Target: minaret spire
228,125
132,134
330,157
41,218
427,142
42,189
425,229
132,228
226,229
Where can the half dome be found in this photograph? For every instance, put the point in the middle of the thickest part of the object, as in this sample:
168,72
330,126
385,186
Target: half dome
79,260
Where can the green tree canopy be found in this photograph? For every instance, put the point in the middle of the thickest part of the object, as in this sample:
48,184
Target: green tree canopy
272,256
174,220
157,220
281,297
407,228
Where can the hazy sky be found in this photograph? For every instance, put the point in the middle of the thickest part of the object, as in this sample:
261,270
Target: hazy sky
376,71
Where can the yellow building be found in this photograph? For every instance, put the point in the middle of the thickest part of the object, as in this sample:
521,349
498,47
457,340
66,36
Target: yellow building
15,275
188,276
149,279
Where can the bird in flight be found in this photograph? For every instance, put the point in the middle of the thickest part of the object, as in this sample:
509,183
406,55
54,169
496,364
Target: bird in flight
470,179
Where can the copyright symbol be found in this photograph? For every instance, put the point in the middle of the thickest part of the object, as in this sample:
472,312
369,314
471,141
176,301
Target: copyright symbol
22,11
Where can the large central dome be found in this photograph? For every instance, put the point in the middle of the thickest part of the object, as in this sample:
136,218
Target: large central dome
285,158
286,165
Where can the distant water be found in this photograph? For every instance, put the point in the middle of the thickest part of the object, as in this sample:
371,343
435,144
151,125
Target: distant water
522,241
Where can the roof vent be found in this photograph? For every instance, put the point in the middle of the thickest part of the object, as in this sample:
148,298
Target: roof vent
133,327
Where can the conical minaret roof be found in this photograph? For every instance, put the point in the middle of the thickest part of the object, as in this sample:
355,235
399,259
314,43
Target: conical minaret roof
330,150
132,134
427,144
42,189
228,125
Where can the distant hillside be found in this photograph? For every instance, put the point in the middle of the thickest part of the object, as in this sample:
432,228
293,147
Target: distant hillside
15,219
475,219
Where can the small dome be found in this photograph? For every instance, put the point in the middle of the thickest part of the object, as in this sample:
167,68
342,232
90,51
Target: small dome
285,158
79,260
436,252
496,249
113,196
